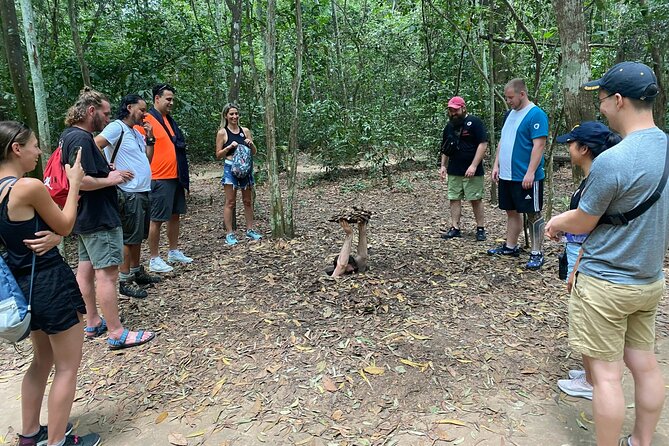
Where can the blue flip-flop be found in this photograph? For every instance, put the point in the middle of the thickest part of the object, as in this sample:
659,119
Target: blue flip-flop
99,330
118,344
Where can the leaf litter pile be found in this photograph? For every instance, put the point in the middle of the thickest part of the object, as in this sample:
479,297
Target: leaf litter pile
436,343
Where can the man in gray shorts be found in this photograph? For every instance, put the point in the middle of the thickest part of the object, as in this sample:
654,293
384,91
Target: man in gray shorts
620,280
134,154
98,224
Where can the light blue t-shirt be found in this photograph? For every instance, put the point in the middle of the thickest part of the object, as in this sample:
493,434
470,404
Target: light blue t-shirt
620,179
131,155
515,144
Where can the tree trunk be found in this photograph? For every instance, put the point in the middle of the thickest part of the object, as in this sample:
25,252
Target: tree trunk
37,79
340,60
17,70
294,125
252,56
72,11
276,203
659,107
235,7
575,66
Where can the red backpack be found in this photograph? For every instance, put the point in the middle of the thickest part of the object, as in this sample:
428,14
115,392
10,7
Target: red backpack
55,178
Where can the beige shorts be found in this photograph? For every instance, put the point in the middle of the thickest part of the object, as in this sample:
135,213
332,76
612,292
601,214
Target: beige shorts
605,317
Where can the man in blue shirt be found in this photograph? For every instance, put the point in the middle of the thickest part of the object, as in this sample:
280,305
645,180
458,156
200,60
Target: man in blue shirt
519,171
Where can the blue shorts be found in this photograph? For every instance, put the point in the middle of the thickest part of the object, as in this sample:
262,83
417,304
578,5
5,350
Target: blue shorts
572,255
230,179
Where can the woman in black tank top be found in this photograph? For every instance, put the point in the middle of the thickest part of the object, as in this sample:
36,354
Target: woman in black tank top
57,305
229,137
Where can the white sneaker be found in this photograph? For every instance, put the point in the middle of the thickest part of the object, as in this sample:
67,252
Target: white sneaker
158,265
178,256
577,387
573,374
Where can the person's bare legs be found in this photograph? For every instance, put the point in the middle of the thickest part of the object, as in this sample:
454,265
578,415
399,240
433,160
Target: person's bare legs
133,253
154,238
479,215
34,381
514,224
173,231
247,198
66,347
229,208
649,394
608,400
456,213
86,282
342,259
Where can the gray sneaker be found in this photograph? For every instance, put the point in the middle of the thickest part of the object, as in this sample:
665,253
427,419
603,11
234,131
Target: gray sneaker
577,387
85,440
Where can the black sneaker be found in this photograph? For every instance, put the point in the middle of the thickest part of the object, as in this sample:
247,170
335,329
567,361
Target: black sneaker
453,232
131,289
41,437
144,278
480,234
86,440
504,250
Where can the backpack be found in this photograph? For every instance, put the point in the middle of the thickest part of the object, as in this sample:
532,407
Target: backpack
14,309
242,162
55,178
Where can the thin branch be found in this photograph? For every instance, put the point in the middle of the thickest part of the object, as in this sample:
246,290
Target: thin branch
487,78
548,44
94,25
535,48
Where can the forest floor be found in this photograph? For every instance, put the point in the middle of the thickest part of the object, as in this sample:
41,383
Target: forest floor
436,344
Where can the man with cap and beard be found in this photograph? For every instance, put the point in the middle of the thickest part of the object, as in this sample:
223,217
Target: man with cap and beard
463,145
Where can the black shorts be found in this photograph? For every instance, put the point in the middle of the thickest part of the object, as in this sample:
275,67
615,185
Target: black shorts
512,196
56,299
168,197
135,215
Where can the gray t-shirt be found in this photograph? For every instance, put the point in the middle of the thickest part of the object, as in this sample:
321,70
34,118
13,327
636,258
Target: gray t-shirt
620,179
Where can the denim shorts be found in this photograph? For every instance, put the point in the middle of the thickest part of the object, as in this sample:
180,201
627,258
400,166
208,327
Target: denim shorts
572,254
237,183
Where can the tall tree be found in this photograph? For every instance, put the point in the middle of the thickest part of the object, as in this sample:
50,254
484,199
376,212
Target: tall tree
657,57
574,42
295,122
235,7
277,222
73,12
37,78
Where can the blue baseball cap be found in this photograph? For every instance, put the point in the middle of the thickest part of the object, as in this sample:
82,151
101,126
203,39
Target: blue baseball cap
591,133
630,79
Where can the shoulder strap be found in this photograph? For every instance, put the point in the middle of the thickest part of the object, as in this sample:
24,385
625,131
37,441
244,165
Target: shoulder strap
624,218
156,114
118,144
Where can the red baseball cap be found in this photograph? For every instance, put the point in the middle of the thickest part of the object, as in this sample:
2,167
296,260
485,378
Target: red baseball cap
456,102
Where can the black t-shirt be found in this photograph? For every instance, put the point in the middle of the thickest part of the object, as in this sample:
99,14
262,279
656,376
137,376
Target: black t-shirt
470,135
98,209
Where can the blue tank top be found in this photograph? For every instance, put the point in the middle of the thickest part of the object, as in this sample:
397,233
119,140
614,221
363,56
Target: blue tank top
19,257
239,137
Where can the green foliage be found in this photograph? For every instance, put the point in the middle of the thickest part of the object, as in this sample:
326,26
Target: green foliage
358,186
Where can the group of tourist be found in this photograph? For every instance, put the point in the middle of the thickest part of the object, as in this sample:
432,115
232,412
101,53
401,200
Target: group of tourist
132,177
616,231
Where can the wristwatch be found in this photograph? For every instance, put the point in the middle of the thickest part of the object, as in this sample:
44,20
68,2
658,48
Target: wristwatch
150,141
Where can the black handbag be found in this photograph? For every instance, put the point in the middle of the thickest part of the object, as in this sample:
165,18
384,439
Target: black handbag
563,267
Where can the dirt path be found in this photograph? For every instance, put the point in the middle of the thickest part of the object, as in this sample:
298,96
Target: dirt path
257,347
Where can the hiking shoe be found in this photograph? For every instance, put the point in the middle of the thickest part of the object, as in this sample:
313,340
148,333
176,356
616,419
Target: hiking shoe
231,240
535,262
577,387
86,440
41,437
178,256
480,235
144,278
453,232
158,265
131,289
625,441
573,374
503,250
252,235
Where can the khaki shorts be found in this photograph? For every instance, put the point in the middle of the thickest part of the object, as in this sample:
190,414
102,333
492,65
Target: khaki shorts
102,248
463,188
605,317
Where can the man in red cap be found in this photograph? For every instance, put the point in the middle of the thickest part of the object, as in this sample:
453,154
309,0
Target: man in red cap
464,142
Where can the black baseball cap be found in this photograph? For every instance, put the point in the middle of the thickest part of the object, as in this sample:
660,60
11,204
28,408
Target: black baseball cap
632,80
590,133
